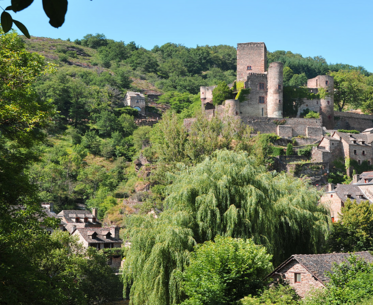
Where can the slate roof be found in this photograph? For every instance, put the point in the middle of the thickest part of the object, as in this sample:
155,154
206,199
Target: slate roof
70,215
366,175
100,238
349,137
131,93
368,131
342,190
320,264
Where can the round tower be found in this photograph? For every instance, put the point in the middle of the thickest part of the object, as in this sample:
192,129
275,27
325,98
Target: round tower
275,90
232,107
327,102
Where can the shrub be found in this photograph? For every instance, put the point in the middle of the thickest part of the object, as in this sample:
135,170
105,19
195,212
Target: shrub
349,131
305,151
277,151
224,271
289,149
312,115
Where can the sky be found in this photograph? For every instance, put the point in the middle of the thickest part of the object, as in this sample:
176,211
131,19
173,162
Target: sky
339,31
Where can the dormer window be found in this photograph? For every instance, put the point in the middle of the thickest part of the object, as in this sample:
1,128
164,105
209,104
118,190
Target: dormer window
94,219
92,234
108,235
348,195
354,142
77,219
85,219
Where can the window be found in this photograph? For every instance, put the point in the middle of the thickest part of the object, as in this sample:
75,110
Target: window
329,117
297,277
261,99
77,219
355,143
262,111
348,195
279,87
317,102
261,86
363,153
358,161
331,196
326,82
85,219
332,219
355,152
362,142
279,101
93,219
365,180
368,162
248,67
328,102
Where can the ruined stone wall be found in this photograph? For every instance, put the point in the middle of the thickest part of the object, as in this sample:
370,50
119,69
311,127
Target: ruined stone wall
312,105
253,54
268,125
308,169
352,121
307,283
206,92
251,106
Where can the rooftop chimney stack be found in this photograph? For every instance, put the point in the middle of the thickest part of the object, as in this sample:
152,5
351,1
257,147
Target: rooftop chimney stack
355,178
94,212
330,187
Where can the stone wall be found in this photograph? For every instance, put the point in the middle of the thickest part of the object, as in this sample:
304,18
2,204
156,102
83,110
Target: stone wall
308,169
314,132
268,125
307,283
251,105
352,121
333,203
285,131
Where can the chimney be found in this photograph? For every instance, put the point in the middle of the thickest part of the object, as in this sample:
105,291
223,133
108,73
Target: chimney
114,230
330,187
94,212
355,178
48,206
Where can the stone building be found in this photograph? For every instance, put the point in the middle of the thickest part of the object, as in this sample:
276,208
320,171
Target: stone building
135,100
73,219
102,238
360,189
357,147
305,272
266,87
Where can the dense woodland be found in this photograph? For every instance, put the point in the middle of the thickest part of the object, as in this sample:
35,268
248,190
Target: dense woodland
67,138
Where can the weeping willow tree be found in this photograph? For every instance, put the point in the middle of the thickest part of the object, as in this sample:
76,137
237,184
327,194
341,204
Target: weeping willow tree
227,195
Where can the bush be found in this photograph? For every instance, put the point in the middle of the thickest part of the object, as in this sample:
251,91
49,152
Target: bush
305,151
224,271
289,149
312,115
349,131
277,294
277,151
63,57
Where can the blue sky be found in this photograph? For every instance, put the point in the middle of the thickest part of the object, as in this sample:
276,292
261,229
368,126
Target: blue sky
340,31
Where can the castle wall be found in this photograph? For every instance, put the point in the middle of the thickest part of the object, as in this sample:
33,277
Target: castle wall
312,105
352,121
269,125
275,90
252,105
253,55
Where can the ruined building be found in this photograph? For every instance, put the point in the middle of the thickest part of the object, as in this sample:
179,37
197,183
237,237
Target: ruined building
266,88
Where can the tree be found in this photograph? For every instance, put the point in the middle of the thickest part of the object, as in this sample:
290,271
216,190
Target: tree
349,88
227,195
224,271
221,93
141,137
289,149
354,232
279,294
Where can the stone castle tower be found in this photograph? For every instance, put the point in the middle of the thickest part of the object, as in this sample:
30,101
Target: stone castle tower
266,89
266,86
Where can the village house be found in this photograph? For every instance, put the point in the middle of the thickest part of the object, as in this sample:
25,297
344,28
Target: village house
135,100
357,147
73,219
102,238
360,189
306,272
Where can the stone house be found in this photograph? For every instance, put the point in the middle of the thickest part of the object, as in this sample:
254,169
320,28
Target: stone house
305,272
102,238
357,147
135,100
360,189
73,219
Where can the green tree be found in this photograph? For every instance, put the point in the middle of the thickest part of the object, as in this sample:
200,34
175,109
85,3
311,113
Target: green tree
280,294
224,271
349,88
354,232
227,195
289,149
141,137
221,93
